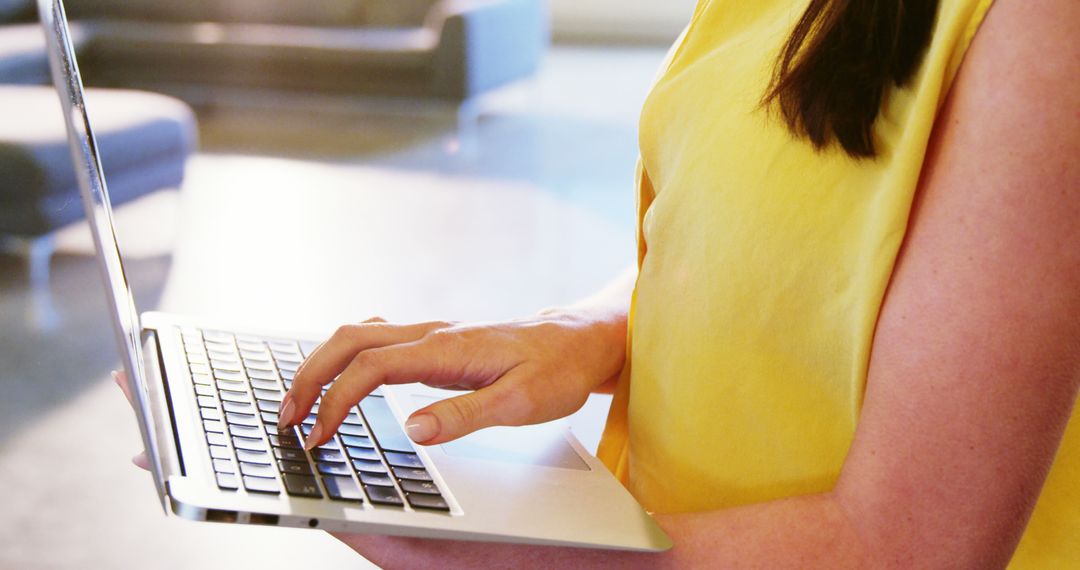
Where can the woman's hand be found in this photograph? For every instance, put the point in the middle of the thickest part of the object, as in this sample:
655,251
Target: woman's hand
140,459
523,372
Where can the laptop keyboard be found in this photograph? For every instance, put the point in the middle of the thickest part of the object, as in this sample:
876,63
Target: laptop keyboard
239,381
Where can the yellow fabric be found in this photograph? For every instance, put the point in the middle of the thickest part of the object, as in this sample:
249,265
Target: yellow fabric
762,268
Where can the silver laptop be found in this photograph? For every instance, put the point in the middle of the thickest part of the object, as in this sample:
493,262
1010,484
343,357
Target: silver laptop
206,397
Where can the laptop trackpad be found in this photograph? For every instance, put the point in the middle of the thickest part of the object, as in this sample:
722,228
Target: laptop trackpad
542,445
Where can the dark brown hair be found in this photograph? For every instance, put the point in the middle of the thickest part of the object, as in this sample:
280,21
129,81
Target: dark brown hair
840,59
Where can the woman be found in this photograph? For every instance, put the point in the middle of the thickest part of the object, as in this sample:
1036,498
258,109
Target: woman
854,334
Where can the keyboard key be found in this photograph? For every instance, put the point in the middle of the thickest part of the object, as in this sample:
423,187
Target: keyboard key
433,502
283,346
238,397
268,406
249,444
301,485
421,487
220,351
273,396
264,384
218,336
247,456
327,455
219,346
330,445
251,344
224,466
376,479
288,376
230,368
242,419
342,488
230,375
202,379
246,431
290,453
220,452
286,441
210,414
369,466
287,360
294,467
227,482
231,385
411,474
363,453
199,368
383,495
353,419
384,426
238,407
262,485
213,426
256,470
357,441
269,418
262,375
333,468
263,365
204,390
404,459
217,439
207,402
353,429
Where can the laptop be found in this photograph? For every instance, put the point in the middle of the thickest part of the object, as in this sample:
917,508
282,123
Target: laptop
206,397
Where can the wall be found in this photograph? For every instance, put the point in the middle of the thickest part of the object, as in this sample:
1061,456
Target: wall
623,21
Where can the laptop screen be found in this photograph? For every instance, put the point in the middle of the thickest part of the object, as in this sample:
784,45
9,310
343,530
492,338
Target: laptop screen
95,194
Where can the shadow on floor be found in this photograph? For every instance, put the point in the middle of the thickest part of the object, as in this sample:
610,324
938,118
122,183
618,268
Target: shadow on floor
46,366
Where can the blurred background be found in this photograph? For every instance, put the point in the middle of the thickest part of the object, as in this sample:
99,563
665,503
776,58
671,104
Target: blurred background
295,166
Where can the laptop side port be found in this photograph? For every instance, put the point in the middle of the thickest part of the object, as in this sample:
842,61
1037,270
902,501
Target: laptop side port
218,515
257,518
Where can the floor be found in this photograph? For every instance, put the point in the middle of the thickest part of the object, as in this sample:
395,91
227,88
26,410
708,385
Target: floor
303,222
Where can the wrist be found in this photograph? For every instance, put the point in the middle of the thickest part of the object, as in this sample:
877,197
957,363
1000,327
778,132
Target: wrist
600,333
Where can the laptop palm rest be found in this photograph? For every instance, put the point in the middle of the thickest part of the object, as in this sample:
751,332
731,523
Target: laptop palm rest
541,445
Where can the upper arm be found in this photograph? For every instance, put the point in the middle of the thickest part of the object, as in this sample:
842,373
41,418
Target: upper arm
975,362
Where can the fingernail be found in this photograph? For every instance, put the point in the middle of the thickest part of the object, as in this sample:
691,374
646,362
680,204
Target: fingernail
422,427
313,437
286,414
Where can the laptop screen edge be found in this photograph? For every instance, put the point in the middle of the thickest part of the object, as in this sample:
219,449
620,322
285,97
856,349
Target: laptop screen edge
91,181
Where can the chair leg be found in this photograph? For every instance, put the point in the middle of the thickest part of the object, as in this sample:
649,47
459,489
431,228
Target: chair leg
467,137
38,251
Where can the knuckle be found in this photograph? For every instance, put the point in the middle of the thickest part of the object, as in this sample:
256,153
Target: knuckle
464,411
344,332
519,407
367,361
441,338
332,401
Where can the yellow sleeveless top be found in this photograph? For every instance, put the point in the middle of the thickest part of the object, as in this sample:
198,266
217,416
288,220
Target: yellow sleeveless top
762,268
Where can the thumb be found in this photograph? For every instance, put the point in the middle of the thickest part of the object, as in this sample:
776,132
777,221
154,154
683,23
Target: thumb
495,405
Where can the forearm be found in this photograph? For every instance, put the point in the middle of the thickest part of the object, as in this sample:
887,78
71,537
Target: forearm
800,532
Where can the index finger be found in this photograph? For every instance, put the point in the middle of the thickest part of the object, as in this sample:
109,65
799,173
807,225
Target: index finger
334,355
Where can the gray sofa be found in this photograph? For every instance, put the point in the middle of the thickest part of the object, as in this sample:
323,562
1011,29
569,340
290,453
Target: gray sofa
442,49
